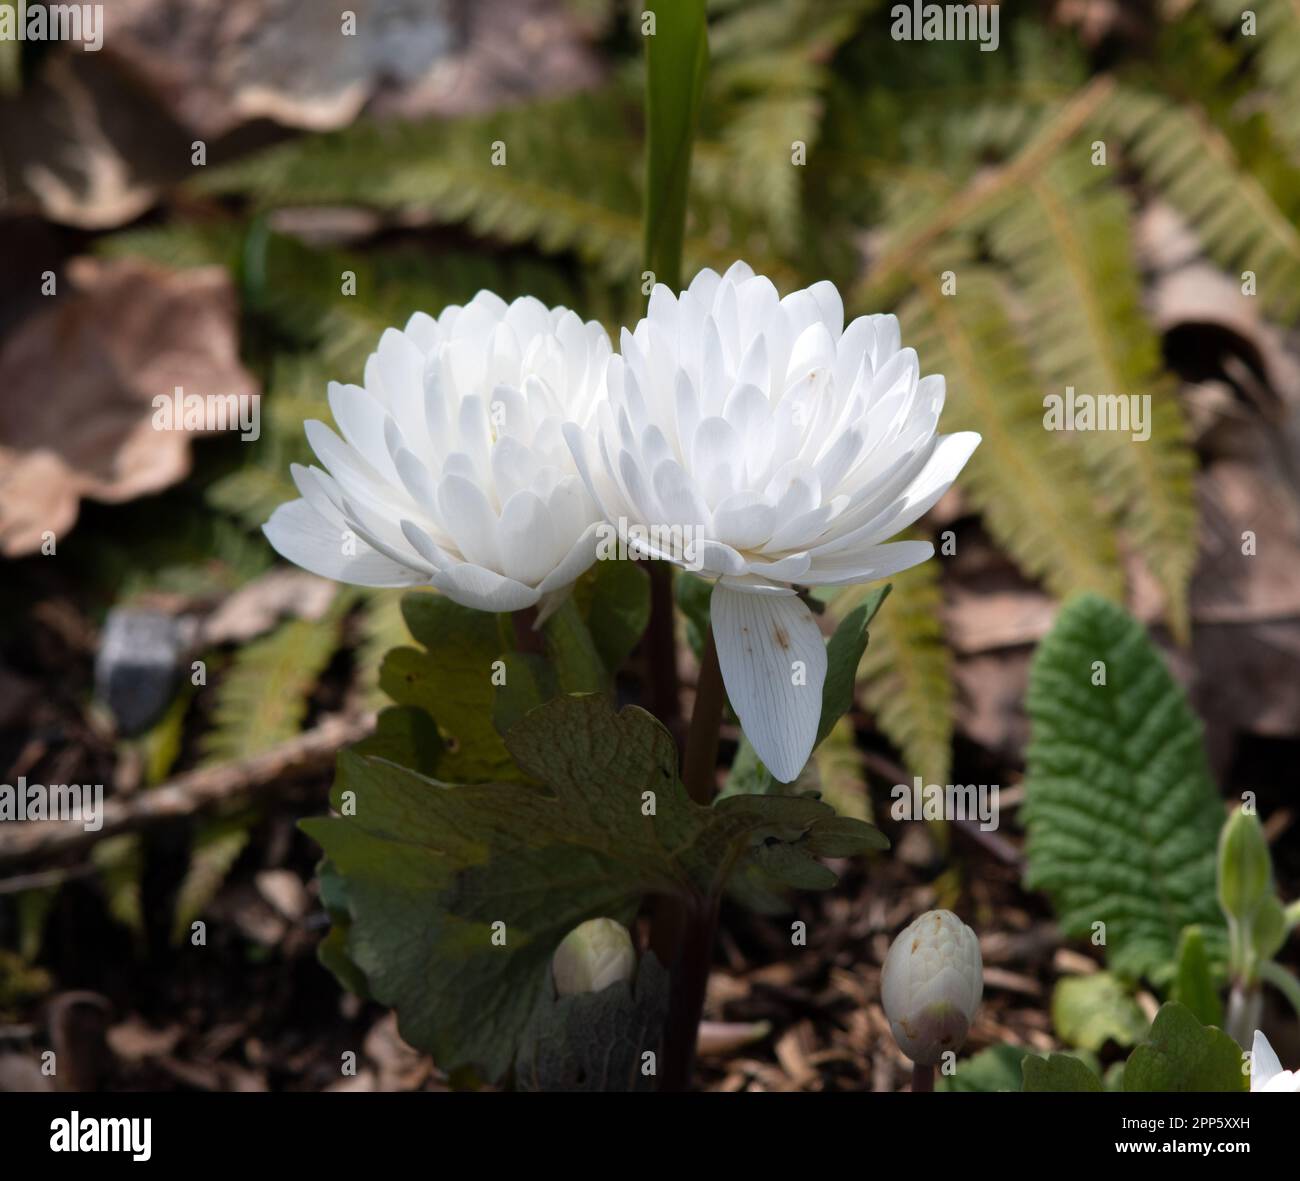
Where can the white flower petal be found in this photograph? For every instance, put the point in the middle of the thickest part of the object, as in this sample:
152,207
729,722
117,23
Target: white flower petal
484,590
467,516
744,520
526,539
867,565
773,664
1264,1062
297,532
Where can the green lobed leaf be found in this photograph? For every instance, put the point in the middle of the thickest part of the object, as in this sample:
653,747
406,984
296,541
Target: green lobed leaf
1058,1072
995,1069
1184,1055
452,681
1089,1011
1121,814
428,867
332,951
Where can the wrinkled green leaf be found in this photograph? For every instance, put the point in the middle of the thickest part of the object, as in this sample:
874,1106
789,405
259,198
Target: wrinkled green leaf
1121,813
1183,1055
428,868
596,1041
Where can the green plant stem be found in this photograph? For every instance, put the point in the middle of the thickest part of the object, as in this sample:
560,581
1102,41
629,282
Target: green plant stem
922,1078
1282,980
1244,1006
683,934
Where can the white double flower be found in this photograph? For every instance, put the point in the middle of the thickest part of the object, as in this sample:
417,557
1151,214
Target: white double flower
788,447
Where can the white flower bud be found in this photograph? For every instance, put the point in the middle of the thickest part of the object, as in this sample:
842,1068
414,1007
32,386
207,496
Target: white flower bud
931,985
593,956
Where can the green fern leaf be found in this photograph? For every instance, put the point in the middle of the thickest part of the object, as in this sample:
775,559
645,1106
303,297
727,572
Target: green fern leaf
1066,243
120,862
564,185
1029,483
1182,155
906,673
1121,813
1276,45
212,856
263,698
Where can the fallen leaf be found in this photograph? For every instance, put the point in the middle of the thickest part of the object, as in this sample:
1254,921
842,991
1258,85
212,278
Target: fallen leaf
77,383
218,64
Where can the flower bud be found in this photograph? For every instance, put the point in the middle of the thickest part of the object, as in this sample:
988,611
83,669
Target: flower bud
1245,868
1268,928
593,956
931,985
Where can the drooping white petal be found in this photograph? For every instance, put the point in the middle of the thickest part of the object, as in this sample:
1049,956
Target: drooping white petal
773,664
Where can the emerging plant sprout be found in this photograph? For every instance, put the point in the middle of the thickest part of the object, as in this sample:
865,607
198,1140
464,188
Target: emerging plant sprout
930,986
592,956
1257,922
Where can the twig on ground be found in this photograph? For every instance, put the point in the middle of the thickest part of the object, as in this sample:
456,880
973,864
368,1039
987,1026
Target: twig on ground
189,793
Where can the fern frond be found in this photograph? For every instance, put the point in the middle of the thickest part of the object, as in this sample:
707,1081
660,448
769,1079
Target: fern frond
563,183
906,672
212,856
120,863
1181,154
1029,483
1275,45
908,246
262,699
1066,243
840,775
767,76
